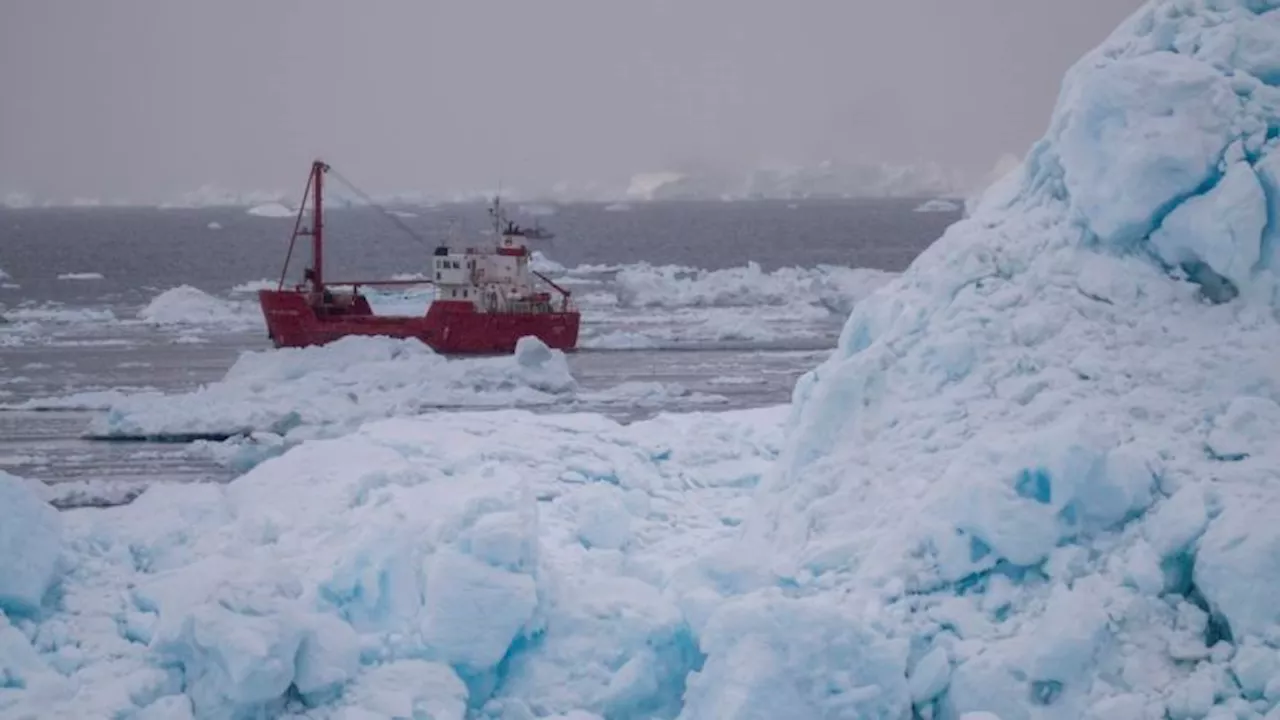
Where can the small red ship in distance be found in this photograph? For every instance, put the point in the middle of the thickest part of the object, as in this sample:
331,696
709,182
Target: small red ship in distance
486,298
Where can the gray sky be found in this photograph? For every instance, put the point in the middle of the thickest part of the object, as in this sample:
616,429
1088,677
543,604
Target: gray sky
148,99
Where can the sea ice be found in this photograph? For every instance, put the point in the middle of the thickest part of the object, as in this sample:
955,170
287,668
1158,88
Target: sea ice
341,384
1036,480
416,566
30,544
669,286
185,305
939,205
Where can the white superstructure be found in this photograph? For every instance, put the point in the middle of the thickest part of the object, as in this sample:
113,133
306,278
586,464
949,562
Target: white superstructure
496,279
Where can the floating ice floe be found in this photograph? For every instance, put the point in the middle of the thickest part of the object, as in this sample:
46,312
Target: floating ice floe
939,205
253,286
300,393
58,314
80,276
185,305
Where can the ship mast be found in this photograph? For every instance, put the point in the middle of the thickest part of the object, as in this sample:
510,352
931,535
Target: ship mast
318,169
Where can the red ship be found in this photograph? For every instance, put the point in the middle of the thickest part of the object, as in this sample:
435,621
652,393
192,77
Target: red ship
485,298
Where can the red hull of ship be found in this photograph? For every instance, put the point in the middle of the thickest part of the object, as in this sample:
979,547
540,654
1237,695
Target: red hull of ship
448,327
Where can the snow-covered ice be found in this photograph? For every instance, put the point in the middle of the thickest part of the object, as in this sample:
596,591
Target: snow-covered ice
343,384
30,545
1049,449
504,564
270,400
671,286
185,305
58,314
1037,480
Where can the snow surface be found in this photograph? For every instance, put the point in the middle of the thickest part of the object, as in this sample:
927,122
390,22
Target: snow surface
1037,480
1048,451
503,563
30,542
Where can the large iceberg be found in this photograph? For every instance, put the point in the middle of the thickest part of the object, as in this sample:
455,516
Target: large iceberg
1042,468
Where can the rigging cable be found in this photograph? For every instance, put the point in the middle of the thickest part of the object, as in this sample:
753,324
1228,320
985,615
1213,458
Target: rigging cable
386,213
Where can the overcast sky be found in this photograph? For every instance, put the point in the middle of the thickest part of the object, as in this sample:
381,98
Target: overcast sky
143,99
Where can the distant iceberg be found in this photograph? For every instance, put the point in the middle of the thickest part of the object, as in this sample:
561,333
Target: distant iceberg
272,210
18,201
939,205
80,276
652,185
212,196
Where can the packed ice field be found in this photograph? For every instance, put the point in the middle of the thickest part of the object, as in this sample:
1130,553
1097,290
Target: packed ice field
1037,478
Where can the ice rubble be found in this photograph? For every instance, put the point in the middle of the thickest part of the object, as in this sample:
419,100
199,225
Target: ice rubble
1036,480
30,538
269,401
58,314
672,286
338,387
496,564
1038,477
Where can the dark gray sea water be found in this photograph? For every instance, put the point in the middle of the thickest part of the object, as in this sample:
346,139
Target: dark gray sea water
742,334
